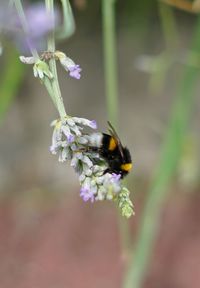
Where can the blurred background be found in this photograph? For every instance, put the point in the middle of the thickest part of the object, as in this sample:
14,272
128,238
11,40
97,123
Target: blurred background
48,236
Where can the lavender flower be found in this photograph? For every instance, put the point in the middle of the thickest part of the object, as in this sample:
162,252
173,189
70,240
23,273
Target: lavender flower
70,143
38,24
41,68
74,71
87,194
69,65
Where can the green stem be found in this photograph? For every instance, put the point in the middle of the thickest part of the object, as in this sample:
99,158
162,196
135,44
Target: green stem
52,64
165,60
34,52
110,68
53,86
169,28
68,26
49,88
170,155
110,62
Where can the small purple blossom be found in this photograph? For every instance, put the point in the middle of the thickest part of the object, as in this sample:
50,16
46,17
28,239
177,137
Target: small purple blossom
74,71
115,177
66,134
69,65
70,138
93,124
66,130
86,194
90,123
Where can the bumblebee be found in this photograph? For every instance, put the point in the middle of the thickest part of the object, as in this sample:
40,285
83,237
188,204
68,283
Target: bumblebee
111,150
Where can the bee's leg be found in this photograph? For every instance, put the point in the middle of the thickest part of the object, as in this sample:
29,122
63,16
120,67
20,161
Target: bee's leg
88,149
108,170
111,171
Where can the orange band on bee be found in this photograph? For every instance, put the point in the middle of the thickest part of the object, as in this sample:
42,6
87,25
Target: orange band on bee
112,144
126,167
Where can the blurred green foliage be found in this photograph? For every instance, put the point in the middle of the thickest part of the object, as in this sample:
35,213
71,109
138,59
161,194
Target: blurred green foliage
171,152
11,77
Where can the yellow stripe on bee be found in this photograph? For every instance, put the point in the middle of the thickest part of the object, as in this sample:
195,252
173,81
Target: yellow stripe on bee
112,144
126,167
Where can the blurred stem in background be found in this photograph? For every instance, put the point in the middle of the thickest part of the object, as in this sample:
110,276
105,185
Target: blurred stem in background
170,154
165,60
111,75
110,59
12,78
169,28
138,16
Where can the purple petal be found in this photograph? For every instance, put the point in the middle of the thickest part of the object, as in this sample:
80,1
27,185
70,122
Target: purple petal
65,129
116,177
93,124
74,71
86,194
70,138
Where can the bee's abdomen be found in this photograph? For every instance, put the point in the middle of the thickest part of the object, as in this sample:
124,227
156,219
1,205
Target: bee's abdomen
109,143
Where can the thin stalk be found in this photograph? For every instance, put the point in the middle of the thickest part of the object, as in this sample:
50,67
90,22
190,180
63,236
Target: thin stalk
68,26
169,27
48,86
53,87
110,62
110,70
165,60
52,64
170,155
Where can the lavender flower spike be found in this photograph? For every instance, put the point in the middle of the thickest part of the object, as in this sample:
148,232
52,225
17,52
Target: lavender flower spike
71,143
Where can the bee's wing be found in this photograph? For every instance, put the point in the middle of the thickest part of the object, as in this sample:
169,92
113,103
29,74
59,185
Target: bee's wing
116,137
